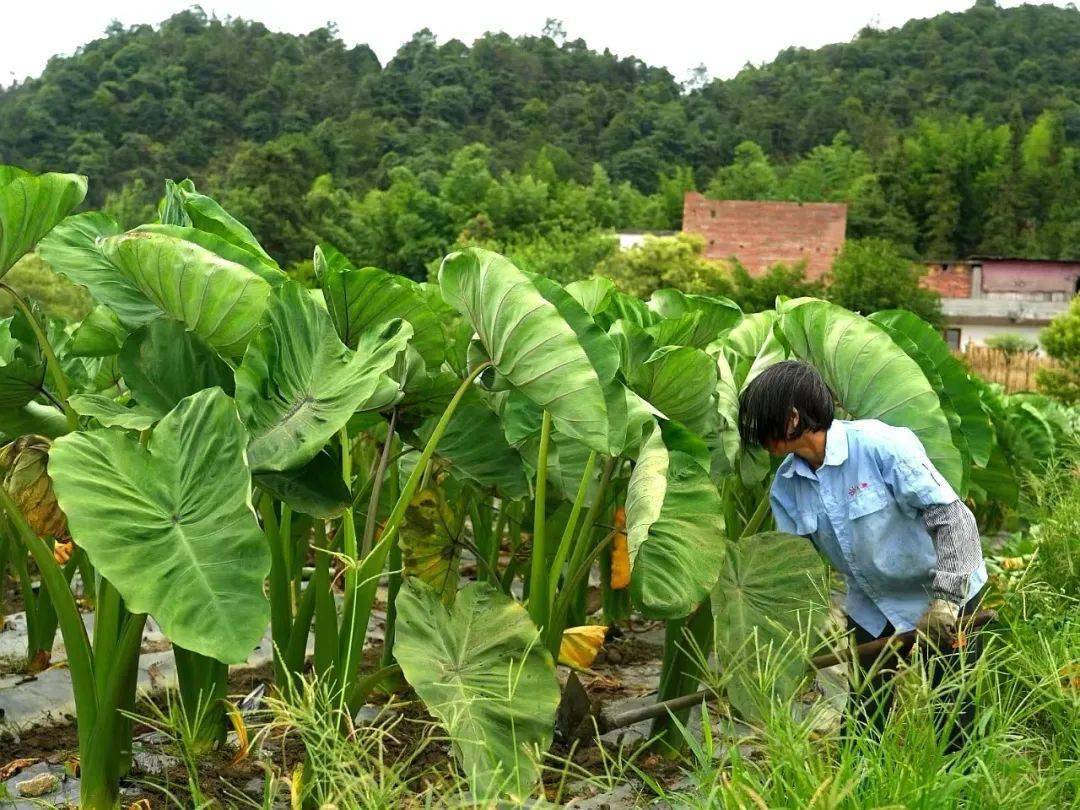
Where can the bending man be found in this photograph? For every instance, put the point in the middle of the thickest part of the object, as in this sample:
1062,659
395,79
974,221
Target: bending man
873,504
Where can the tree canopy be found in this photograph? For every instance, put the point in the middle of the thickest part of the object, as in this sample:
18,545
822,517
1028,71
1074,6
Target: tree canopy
948,136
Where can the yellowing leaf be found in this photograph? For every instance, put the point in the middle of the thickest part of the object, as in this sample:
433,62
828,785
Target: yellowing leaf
580,645
1013,563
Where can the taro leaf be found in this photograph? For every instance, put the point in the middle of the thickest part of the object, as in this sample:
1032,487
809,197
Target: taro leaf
30,207
23,469
171,525
997,480
749,335
430,540
298,383
567,459
594,294
871,376
162,363
771,596
957,389
258,263
674,527
680,381
691,320
110,413
476,448
9,173
99,335
362,299
482,670
635,345
22,368
316,489
542,342
521,417
73,250
735,370
183,206
44,420
621,306
219,300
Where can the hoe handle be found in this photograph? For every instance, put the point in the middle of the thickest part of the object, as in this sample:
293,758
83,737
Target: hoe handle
870,651
865,653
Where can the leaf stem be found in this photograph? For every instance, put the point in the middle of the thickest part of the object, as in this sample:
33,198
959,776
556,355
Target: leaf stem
59,378
539,604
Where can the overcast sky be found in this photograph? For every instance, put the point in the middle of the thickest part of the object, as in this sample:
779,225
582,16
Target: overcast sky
722,34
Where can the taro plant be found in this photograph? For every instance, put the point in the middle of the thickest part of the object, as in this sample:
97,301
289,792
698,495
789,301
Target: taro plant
232,453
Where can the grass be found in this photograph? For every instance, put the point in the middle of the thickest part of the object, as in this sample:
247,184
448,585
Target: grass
1025,752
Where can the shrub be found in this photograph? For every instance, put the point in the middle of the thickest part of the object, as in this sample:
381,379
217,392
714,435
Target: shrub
1011,344
1061,339
758,293
667,261
872,274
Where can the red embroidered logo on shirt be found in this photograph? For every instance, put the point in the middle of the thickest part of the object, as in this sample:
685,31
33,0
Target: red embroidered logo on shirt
854,490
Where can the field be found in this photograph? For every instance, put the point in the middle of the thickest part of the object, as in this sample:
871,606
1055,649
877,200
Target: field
362,544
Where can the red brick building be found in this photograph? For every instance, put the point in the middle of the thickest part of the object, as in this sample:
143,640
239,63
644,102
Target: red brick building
760,234
985,296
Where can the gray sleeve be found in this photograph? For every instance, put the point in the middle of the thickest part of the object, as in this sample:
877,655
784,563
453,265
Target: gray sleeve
955,533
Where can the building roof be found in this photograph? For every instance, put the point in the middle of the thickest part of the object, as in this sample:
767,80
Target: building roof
762,233
981,259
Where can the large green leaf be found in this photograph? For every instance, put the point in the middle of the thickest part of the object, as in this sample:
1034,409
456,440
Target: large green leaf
162,363
482,670
594,294
749,335
258,263
110,413
22,367
362,299
771,597
549,350
73,250
871,376
680,381
634,344
43,420
476,448
30,207
218,300
183,206
316,489
691,320
674,528
171,525
957,390
298,383
100,334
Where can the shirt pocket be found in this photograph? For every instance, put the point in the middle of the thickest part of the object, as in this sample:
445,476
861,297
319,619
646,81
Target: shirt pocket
867,502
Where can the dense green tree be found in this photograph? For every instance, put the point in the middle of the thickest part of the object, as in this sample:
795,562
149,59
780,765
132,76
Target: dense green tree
872,274
948,136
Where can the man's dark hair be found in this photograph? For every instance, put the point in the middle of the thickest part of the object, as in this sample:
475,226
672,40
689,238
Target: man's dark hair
766,404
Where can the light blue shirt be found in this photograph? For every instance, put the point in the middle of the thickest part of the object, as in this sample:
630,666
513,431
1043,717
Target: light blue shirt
861,509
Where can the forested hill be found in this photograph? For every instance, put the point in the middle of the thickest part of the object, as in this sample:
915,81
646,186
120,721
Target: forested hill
929,132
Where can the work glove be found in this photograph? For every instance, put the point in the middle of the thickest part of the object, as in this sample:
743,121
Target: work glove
939,622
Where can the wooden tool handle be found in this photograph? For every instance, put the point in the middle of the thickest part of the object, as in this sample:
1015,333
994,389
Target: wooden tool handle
867,653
